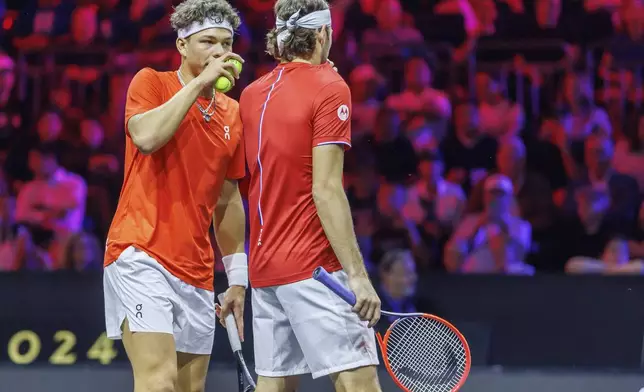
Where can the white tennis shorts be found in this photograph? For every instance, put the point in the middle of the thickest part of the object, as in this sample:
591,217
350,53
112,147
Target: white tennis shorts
303,327
138,288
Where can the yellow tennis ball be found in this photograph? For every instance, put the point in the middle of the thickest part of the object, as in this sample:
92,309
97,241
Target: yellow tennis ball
222,84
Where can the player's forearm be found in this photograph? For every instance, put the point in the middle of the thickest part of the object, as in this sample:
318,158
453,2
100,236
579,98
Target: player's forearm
230,223
230,232
153,129
334,212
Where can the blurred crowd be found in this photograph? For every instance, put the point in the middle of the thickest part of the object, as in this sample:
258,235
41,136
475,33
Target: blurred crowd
489,136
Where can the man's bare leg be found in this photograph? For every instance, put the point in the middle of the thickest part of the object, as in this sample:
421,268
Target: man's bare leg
364,379
277,384
193,369
153,358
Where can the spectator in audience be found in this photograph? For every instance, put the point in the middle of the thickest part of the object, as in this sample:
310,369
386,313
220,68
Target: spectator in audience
82,253
84,26
582,117
469,155
365,82
391,35
622,189
52,206
456,22
15,117
498,116
398,278
9,236
32,255
615,260
486,14
548,13
362,195
423,109
630,20
550,155
533,194
636,239
396,159
392,229
589,232
432,197
12,113
101,169
50,128
434,205
60,101
494,241
41,23
92,158
629,152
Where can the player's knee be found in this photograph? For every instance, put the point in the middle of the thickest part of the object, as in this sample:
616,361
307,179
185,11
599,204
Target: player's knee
193,388
277,384
364,379
195,385
161,378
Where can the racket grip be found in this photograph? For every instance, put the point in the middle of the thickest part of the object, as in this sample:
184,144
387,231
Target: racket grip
334,285
231,328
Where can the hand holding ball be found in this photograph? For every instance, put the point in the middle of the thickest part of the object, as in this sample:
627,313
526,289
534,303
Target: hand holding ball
222,84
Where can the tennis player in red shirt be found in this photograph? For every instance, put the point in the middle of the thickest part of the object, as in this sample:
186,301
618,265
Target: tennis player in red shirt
297,125
183,157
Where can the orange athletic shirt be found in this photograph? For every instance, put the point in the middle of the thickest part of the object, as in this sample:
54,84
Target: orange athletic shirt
286,113
168,197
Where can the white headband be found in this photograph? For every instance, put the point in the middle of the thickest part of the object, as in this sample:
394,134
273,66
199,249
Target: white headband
216,22
311,21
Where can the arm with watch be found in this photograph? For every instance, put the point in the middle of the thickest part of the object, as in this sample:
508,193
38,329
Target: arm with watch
230,231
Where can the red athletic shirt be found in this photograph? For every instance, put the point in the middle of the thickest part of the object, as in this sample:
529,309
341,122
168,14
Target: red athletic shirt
168,197
285,114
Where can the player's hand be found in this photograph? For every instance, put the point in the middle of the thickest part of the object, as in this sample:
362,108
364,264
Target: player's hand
219,66
234,301
367,302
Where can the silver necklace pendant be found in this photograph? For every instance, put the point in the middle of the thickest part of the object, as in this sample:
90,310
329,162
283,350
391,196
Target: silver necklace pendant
204,112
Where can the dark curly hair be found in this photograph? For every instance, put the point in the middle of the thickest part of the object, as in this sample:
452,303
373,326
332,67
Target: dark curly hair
191,11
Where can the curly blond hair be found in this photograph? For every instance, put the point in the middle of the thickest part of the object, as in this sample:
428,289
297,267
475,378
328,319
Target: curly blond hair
191,11
301,43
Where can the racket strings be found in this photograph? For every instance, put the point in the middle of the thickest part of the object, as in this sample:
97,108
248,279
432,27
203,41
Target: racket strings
425,355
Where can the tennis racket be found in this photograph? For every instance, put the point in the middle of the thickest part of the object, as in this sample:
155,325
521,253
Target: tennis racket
422,352
244,378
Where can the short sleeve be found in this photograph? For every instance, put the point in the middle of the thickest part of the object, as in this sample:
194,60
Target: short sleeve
144,94
237,166
332,115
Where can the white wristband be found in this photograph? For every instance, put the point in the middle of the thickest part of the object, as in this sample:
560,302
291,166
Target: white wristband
236,266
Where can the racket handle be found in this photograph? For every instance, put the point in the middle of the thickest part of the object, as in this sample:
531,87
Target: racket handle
334,285
231,327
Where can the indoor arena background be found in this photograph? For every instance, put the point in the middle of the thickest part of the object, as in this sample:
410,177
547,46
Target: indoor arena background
445,93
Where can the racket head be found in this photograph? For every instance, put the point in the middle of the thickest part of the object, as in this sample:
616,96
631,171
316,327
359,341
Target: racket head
414,343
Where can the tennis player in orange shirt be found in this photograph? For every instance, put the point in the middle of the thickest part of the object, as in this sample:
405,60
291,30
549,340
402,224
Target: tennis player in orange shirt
297,125
183,157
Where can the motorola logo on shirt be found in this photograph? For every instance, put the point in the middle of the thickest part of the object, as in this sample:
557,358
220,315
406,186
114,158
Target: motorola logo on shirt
343,112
